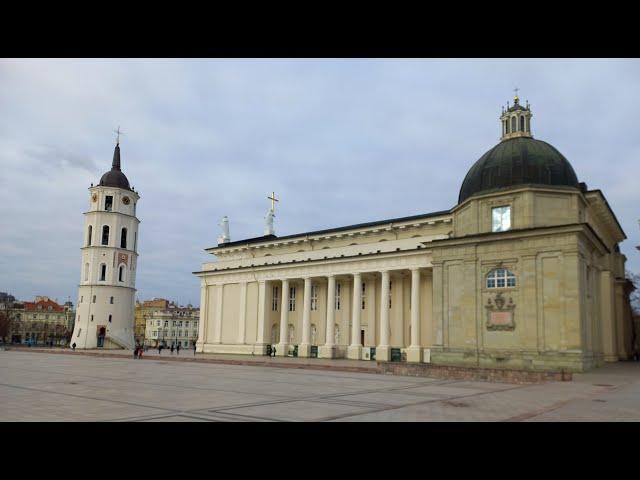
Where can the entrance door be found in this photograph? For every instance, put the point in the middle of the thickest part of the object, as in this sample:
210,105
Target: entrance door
102,331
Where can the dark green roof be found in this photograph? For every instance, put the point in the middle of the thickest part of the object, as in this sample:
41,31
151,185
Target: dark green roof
518,161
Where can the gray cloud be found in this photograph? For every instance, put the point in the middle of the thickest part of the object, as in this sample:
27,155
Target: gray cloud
340,141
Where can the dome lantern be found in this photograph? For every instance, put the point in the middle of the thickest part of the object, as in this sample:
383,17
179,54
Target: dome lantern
516,120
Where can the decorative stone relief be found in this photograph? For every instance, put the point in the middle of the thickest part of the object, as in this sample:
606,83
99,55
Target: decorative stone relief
500,314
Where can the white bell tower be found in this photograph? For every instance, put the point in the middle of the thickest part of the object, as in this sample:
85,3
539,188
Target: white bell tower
106,297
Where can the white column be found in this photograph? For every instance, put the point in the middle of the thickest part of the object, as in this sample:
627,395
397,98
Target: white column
354,351
383,351
304,350
260,347
202,331
328,349
283,346
242,322
414,352
218,331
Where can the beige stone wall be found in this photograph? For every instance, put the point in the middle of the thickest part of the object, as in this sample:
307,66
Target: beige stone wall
568,311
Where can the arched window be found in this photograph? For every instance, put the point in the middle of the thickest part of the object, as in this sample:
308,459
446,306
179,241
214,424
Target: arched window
123,238
528,125
500,278
522,123
121,273
109,318
105,235
514,125
89,235
103,272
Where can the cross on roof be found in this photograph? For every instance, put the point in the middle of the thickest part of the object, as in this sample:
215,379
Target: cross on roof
273,200
119,133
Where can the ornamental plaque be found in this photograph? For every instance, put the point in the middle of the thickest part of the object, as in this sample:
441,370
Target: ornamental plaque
123,258
500,314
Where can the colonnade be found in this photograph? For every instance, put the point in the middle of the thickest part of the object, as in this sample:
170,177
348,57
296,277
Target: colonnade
354,349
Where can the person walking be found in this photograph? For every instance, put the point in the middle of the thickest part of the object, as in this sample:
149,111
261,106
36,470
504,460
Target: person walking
74,346
194,349
172,349
159,349
135,353
178,349
140,350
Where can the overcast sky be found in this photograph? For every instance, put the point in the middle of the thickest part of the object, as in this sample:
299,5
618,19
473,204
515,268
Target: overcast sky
339,141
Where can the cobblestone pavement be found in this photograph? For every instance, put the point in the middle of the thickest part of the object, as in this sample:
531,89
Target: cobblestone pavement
41,386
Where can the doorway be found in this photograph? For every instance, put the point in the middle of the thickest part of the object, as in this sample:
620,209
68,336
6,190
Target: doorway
361,337
102,331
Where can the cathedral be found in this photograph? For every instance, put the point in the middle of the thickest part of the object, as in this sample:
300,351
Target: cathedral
524,272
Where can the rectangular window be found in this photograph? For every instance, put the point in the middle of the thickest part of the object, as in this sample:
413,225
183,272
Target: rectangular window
337,302
108,203
390,285
274,300
362,297
166,323
314,297
174,323
500,219
292,299
157,323
195,324
94,299
180,323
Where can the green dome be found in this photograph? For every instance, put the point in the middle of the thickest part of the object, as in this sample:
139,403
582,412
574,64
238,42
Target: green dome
518,161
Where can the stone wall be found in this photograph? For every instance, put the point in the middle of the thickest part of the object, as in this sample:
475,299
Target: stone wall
471,373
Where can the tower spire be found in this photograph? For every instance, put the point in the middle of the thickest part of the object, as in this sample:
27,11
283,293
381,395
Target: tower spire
115,165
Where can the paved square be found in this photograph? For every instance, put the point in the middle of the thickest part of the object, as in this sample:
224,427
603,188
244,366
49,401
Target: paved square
36,386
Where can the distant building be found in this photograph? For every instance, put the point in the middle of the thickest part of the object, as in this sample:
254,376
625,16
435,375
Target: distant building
144,311
174,325
40,322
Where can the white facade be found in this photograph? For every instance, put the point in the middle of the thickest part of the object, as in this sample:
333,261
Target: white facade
174,326
106,297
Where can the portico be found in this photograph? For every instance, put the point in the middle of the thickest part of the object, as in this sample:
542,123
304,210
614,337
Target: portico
337,302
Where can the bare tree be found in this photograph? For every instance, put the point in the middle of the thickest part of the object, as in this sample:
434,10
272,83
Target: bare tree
634,297
5,326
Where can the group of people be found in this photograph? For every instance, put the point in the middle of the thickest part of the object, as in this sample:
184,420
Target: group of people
172,348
